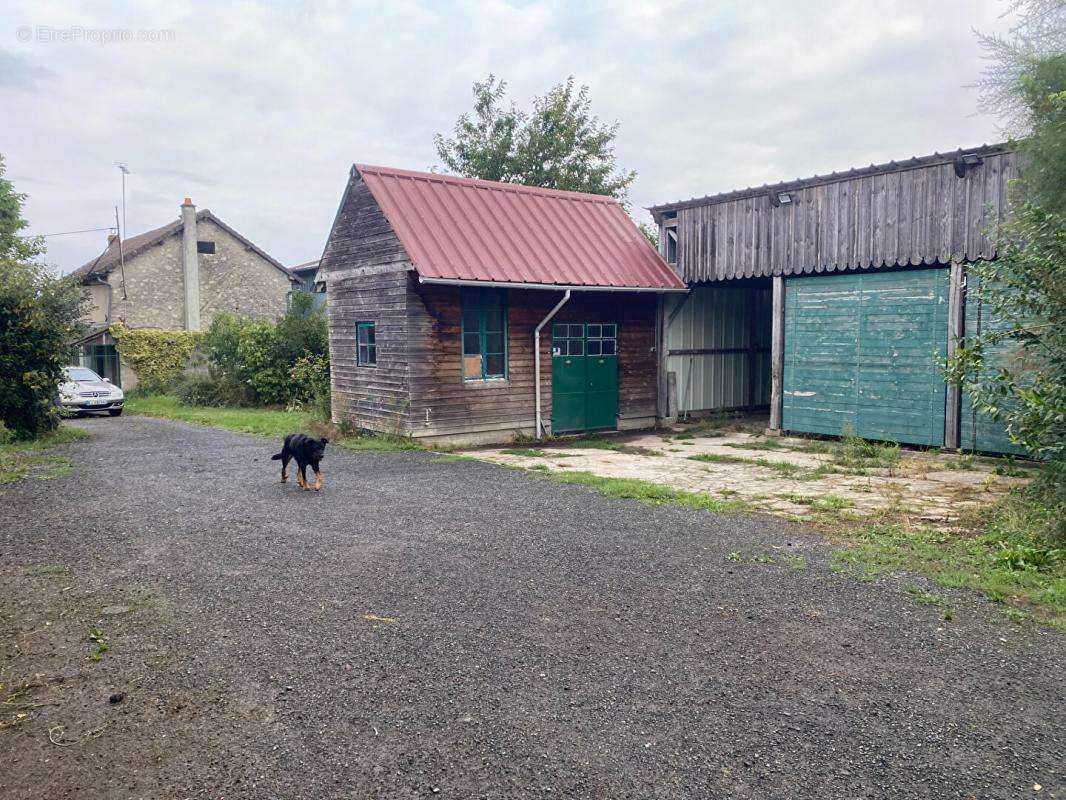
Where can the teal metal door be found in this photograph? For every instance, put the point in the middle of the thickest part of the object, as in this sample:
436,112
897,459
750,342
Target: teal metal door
865,350
978,431
584,377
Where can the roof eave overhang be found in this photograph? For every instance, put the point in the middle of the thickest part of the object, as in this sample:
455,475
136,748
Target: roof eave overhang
555,287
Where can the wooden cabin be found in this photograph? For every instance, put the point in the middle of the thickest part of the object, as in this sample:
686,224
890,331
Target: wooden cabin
831,302
469,311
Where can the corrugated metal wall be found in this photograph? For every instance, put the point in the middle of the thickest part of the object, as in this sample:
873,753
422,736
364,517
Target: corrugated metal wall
718,318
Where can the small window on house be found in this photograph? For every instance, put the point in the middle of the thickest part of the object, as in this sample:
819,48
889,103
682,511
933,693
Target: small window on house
484,331
366,347
671,245
205,247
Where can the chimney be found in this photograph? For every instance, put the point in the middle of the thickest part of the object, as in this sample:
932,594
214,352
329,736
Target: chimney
190,263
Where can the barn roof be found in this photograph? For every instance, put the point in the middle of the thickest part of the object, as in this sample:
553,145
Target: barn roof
914,162
460,229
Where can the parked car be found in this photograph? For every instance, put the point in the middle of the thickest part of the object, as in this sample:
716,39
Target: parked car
82,390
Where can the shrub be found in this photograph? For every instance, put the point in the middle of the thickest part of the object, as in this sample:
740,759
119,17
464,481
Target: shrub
310,376
256,362
39,317
157,356
262,361
198,390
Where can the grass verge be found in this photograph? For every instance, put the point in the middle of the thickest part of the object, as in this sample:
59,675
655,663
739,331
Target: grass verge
275,422
646,492
1003,552
30,459
260,421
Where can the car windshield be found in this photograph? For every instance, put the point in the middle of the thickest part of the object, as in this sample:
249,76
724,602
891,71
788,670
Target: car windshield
81,374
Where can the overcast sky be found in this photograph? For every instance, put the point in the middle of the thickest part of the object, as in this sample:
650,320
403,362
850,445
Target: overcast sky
256,110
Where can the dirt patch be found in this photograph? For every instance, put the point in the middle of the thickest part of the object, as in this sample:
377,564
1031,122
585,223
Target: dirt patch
788,475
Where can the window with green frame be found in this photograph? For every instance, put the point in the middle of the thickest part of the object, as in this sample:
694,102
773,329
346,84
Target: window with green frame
366,346
484,326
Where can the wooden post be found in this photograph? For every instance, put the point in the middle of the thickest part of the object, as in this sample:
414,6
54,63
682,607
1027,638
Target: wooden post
956,306
749,390
777,354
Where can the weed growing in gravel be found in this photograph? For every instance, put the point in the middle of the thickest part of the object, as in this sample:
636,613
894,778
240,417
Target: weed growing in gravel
757,443
762,558
531,452
647,492
859,454
784,468
734,556
795,561
42,570
99,644
929,599
452,458
595,442
28,459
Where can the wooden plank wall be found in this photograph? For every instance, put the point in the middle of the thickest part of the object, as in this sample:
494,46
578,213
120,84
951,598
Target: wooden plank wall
443,404
372,397
366,271
865,350
908,216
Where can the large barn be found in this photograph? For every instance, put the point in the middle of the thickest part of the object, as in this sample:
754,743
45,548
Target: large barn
471,311
832,301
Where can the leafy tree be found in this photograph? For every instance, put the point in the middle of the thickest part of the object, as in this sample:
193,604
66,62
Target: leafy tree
560,144
39,317
1024,289
14,246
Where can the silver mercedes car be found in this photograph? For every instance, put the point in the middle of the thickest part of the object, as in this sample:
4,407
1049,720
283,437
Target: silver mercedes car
81,390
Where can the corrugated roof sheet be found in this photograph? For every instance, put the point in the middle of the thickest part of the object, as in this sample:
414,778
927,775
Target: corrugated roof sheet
465,229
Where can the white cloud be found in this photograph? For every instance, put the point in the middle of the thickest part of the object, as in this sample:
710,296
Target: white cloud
257,110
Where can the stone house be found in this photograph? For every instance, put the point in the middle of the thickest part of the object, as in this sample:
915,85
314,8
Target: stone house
176,277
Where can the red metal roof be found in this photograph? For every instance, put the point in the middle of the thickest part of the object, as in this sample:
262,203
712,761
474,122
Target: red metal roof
465,229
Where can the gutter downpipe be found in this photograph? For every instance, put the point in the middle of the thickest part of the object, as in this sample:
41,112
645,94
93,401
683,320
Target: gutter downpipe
536,356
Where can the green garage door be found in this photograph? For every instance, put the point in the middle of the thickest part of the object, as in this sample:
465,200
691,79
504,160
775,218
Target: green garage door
979,431
584,377
865,349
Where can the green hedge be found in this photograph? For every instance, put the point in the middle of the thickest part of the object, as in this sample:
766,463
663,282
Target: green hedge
157,356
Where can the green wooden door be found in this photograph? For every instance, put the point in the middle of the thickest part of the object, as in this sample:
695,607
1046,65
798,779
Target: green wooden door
979,431
864,351
584,377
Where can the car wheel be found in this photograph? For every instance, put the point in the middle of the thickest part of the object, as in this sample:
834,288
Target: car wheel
115,412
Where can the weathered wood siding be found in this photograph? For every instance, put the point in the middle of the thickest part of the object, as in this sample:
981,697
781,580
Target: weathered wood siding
865,350
372,397
367,281
416,388
906,215
443,404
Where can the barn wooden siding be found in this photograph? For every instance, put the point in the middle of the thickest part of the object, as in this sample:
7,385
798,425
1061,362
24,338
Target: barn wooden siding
910,213
416,388
367,281
443,404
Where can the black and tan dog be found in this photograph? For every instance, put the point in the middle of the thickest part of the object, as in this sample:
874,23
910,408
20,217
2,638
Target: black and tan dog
306,451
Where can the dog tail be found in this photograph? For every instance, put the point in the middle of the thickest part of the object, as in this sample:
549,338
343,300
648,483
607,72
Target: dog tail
276,457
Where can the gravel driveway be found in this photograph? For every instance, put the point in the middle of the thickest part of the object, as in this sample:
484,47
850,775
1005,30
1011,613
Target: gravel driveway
430,629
